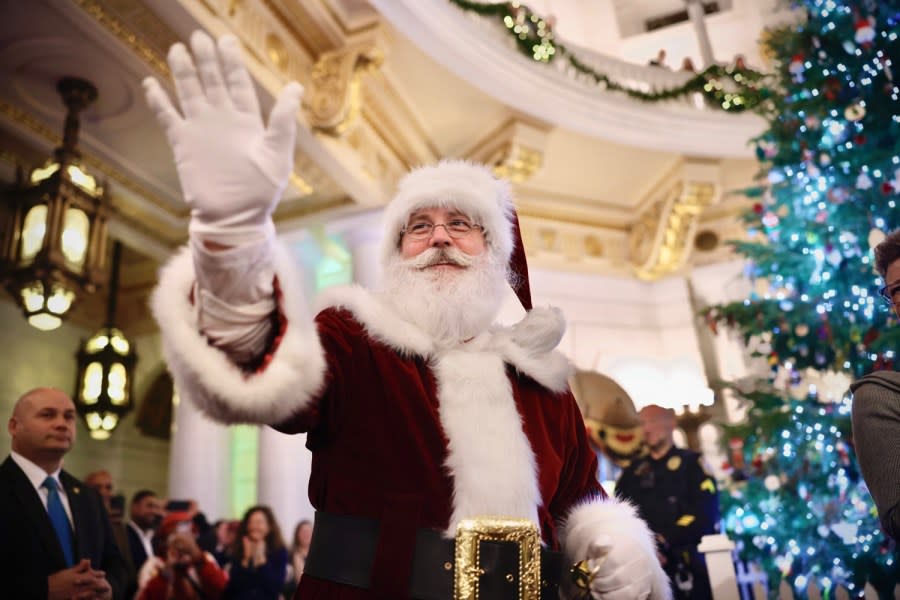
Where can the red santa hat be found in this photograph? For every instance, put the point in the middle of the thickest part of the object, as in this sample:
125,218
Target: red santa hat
472,189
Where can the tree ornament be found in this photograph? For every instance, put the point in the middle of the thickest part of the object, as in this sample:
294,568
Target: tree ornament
855,112
886,188
896,181
871,335
865,31
772,482
736,452
859,139
796,68
838,195
801,330
757,463
832,87
863,181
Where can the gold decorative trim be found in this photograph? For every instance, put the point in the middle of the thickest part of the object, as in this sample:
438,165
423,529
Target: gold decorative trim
661,241
300,184
333,99
517,163
305,209
126,35
289,26
515,150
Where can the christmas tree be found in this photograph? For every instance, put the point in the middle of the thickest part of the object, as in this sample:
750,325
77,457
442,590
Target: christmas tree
831,165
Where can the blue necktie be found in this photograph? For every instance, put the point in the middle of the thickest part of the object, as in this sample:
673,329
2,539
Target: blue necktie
59,519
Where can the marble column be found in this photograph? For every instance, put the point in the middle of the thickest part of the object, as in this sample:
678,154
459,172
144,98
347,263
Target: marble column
200,461
283,477
695,12
363,238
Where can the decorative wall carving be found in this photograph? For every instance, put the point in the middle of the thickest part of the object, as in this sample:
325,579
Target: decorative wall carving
515,150
661,240
332,100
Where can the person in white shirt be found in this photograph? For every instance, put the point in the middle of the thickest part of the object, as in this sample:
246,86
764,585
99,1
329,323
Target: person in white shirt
146,514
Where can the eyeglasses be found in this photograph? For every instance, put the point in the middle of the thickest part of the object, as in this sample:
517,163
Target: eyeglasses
455,228
891,294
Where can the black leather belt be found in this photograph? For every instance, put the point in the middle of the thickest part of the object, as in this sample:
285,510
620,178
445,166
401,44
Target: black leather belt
342,550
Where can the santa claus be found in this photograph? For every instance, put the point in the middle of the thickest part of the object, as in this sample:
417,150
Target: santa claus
449,456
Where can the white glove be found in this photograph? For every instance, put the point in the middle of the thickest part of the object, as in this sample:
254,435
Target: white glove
232,168
623,570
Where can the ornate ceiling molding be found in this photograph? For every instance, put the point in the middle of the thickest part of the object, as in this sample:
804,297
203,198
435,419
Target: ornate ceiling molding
661,240
138,28
333,99
515,151
484,58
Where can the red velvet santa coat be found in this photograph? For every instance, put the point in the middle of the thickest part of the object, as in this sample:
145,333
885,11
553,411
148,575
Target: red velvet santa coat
402,430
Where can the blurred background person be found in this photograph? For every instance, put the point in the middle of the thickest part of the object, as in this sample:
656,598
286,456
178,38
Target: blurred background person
146,515
186,573
102,482
222,542
676,495
299,549
259,567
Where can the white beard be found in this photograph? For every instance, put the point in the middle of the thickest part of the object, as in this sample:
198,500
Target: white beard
452,306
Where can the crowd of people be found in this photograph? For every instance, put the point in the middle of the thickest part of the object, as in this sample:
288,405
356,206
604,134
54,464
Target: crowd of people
229,559
89,548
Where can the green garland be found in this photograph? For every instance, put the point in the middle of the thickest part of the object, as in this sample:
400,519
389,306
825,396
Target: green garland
534,38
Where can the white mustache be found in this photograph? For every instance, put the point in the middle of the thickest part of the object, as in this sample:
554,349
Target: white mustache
439,256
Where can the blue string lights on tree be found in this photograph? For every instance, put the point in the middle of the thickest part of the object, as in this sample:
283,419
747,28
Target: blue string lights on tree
829,190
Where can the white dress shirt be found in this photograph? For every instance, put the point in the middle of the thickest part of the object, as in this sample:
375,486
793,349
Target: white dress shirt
36,475
146,538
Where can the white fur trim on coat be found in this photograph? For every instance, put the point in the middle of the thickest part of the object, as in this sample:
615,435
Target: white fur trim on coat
489,456
206,376
466,186
617,519
532,355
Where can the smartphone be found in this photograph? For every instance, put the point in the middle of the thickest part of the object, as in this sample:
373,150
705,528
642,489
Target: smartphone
178,506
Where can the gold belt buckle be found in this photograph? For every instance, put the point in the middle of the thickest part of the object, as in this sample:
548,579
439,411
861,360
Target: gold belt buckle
469,535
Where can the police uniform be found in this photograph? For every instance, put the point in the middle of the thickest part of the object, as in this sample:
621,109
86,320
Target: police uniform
678,499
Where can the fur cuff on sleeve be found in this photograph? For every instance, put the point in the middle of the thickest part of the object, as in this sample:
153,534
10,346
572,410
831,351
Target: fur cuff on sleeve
616,519
205,374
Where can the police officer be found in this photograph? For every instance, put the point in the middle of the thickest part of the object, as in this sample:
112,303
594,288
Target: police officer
678,499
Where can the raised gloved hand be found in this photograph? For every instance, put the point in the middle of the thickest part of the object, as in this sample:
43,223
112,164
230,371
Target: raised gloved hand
232,167
624,570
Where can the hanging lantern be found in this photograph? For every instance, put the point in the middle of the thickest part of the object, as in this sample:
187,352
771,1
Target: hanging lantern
54,226
106,369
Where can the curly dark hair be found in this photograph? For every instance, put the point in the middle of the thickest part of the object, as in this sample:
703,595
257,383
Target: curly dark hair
274,541
887,252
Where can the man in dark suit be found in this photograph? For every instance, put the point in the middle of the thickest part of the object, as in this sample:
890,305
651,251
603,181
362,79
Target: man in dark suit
55,538
146,515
